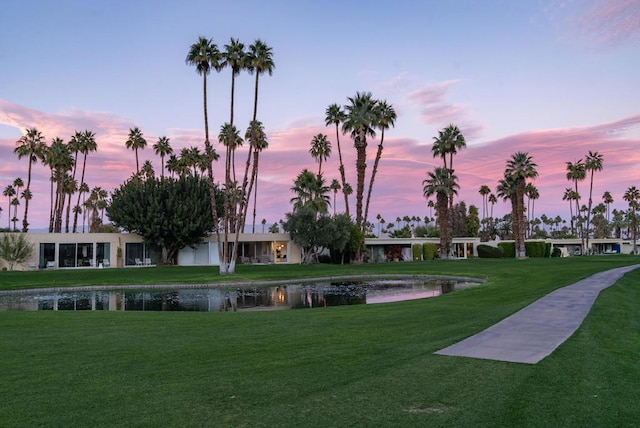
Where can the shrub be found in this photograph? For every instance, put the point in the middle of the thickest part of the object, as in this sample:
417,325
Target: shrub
556,252
535,248
489,252
547,249
416,252
429,251
508,249
15,249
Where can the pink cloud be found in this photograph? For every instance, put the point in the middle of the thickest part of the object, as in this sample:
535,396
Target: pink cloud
606,22
398,186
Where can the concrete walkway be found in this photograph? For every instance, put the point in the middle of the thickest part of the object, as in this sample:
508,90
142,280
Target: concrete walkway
537,330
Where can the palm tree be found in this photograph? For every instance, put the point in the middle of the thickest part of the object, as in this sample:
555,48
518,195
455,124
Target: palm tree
335,186
532,194
520,168
360,123
15,202
235,58
311,191
632,196
506,189
484,191
204,55
320,150
593,162
386,118
335,116
442,182
162,148
570,195
134,142
87,145
259,60
607,199
9,192
576,172
259,143
32,146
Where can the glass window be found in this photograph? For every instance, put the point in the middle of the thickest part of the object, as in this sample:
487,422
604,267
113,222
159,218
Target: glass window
84,255
134,254
67,255
103,253
47,254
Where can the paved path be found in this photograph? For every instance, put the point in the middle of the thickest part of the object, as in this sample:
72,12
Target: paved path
537,330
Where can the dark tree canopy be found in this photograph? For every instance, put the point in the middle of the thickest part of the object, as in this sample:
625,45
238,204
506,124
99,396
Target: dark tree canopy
168,213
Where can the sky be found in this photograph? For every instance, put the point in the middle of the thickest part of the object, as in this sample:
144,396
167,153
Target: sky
555,79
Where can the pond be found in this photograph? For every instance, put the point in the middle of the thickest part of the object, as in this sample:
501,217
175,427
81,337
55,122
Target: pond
221,299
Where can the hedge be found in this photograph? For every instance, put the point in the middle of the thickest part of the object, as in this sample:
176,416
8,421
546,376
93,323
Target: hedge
489,252
429,250
535,248
416,252
508,248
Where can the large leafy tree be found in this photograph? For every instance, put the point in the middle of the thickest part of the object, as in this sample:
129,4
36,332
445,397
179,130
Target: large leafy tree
170,214
32,146
442,182
593,162
87,145
520,168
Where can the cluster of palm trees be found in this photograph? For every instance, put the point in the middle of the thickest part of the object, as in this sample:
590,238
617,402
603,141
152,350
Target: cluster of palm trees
443,183
257,59
360,118
63,160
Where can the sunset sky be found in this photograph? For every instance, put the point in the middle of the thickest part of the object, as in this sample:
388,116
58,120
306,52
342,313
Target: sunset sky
553,78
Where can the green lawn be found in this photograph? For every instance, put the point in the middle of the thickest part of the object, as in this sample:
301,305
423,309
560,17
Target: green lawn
368,365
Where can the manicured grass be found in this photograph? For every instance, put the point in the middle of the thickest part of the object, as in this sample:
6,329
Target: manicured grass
370,366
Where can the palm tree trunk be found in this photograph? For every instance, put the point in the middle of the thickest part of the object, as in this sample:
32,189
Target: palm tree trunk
373,175
361,167
25,223
341,168
51,206
75,214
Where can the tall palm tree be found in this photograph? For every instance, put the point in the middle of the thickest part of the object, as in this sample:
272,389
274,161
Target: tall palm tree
607,199
320,150
335,186
506,189
360,123
32,146
570,195
9,192
520,168
259,61
334,115
136,142
484,191
385,118
59,160
257,142
532,194
593,162
441,182
576,172
632,196
162,148
15,202
235,58
204,55
87,145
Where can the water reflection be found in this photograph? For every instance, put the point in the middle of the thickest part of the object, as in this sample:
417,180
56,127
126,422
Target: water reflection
232,299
